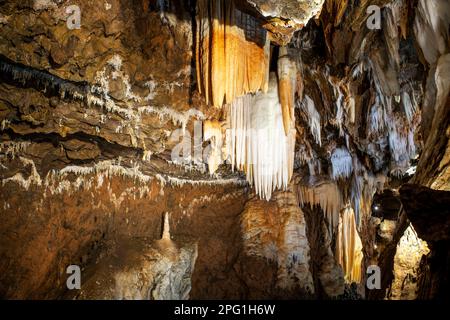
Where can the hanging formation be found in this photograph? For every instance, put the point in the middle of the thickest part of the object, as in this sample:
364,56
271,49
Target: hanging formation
257,142
349,246
232,59
233,52
287,77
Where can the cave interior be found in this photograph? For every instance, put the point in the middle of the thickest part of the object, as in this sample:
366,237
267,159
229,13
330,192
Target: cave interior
225,149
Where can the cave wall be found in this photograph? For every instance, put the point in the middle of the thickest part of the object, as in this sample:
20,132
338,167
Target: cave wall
83,111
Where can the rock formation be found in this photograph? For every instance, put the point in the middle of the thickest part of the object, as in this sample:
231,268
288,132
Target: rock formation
290,145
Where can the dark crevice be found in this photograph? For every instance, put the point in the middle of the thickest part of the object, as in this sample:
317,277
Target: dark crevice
26,77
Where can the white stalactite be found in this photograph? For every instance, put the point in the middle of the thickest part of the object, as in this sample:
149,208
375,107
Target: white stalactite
341,161
258,144
376,118
313,116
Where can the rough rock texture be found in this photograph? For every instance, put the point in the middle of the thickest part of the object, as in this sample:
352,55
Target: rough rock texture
328,275
410,250
287,16
123,77
299,11
429,213
141,269
47,229
418,201
277,231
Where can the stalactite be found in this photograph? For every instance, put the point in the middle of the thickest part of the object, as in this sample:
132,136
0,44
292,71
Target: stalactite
356,194
341,105
363,187
327,196
258,143
62,181
376,118
12,148
307,155
391,33
341,161
409,106
313,118
178,118
349,246
287,77
33,179
232,52
43,80
401,144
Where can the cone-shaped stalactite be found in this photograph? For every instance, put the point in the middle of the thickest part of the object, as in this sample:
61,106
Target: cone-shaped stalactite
287,77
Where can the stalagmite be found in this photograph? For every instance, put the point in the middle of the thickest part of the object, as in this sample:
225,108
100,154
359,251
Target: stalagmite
232,52
287,77
349,246
276,231
212,130
258,144
166,229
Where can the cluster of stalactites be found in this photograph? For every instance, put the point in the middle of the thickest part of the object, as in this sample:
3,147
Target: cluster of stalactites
325,195
233,57
257,143
349,246
232,52
341,163
342,225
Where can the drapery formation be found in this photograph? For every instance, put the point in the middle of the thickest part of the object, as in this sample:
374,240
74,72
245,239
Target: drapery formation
233,52
233,57
325,195
257,142
349,246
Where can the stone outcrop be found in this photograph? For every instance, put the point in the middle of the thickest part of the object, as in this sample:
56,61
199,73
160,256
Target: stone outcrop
429,212
277,231
141,269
